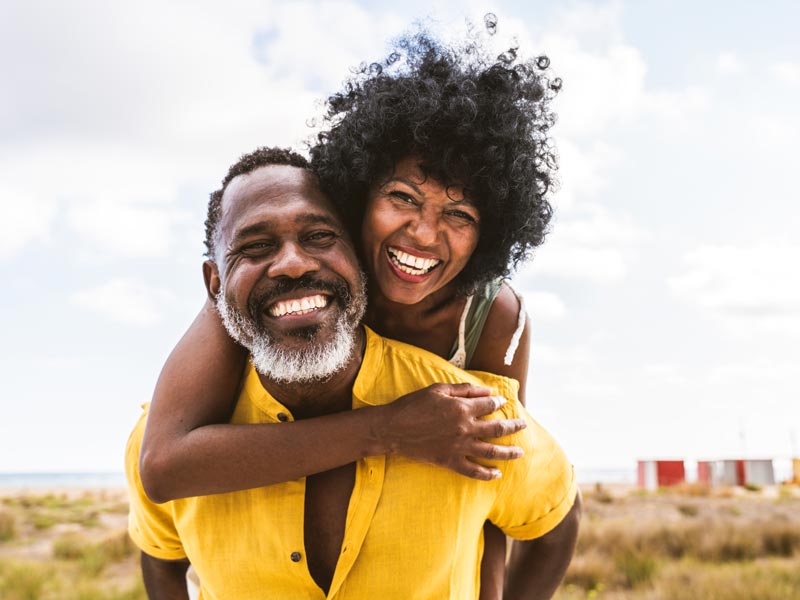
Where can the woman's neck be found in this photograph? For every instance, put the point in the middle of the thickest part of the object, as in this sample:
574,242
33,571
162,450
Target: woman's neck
431,324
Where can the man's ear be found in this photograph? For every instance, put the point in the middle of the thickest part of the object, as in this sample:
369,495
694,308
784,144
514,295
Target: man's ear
212,280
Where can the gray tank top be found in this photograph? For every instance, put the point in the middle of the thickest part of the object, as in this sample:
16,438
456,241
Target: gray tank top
473,318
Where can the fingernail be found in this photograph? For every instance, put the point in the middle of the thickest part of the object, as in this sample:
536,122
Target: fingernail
499,401
497,474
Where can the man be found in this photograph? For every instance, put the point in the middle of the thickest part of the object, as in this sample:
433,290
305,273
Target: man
289,289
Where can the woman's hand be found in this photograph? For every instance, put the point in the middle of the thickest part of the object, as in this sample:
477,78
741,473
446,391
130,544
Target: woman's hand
441,424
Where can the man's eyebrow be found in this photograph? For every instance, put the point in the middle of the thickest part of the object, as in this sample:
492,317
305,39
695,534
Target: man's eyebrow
319,219
245,232
305,219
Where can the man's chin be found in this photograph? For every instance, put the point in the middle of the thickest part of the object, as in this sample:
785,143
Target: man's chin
301,361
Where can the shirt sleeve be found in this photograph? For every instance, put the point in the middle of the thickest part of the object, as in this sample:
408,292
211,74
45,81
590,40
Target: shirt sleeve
538,490
150,525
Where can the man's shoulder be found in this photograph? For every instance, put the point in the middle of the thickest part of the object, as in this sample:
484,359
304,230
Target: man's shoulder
392,364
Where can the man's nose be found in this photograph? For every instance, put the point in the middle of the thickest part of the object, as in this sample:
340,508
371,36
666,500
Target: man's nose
292,261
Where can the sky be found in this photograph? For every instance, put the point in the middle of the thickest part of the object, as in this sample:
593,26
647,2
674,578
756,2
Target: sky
665,303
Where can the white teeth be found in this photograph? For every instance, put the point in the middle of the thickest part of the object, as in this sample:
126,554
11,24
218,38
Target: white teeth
413,265
301,306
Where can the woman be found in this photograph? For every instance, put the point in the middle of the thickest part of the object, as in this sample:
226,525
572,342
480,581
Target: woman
440,163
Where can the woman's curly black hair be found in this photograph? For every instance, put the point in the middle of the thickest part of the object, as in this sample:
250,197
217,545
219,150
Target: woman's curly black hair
482,123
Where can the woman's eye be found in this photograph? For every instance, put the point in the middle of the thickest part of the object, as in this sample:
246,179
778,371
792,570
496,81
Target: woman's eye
461,215
403,197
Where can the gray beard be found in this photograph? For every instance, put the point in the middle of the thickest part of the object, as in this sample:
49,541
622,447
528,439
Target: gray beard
316,362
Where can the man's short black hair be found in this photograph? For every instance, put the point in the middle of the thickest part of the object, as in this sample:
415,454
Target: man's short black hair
472,120
261,157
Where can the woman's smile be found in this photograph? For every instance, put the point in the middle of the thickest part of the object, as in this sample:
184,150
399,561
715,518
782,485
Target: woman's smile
418,233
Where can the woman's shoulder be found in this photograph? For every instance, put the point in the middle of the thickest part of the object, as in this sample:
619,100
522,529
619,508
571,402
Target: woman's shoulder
504,342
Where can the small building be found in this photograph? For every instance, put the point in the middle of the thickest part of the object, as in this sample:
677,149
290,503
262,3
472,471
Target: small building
736,472
653,474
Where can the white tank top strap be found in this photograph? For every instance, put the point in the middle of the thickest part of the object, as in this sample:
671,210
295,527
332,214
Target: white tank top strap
459,358
521,318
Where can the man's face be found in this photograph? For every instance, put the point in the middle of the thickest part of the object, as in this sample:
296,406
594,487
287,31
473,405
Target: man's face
289,288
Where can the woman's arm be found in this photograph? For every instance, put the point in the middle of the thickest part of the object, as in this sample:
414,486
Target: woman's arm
501,324
185,453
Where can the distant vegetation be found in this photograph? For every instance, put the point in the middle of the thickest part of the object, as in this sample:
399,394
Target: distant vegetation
685,543
688,543
67,547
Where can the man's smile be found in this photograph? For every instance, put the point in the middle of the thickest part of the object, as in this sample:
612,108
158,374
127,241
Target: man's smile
298,306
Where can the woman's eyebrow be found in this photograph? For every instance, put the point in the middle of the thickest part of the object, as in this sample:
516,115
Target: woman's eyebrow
408,182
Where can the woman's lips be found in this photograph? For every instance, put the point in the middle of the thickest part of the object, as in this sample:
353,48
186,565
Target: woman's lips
409,263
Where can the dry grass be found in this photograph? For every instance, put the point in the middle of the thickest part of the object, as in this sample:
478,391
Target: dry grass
686,543
8,526
689,543
70,545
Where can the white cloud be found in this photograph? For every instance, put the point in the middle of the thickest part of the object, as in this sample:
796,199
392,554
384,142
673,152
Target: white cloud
128,301
585,170
786,72
600,228
117,111
578,357
26,218
729,63
596,246
593,390
746,288
125,229
759,371
596,265
677,105
664,373
613,77
544,306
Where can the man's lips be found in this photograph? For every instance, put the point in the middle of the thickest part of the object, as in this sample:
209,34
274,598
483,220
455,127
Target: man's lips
298,306
411,264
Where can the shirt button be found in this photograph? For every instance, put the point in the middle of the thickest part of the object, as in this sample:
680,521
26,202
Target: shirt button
295,557
283,417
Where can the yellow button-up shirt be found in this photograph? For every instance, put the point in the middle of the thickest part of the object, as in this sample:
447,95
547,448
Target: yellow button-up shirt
413,530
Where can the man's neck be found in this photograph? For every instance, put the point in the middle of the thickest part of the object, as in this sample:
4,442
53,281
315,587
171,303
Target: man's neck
317,398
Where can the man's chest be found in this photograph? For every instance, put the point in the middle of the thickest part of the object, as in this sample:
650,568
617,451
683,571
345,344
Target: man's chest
401,517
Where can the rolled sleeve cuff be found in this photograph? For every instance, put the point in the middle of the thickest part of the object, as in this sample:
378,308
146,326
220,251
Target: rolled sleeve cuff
548,521
140,540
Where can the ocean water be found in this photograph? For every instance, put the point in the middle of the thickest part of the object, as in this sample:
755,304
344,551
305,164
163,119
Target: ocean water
117,480
586,475
56,480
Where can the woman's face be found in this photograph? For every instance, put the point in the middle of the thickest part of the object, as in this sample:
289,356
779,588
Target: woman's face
418,234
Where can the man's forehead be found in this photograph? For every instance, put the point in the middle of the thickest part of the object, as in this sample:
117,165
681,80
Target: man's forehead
275,184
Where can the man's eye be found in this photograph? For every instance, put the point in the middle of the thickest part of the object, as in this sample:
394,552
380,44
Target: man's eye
321,237
257,248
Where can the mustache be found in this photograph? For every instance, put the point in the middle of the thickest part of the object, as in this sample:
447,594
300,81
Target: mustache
260,301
